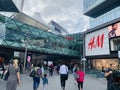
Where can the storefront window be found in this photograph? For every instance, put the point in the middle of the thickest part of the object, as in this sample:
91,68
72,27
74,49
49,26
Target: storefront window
99,63
115,44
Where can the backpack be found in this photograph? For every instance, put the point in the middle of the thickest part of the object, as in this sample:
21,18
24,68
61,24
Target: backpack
39,71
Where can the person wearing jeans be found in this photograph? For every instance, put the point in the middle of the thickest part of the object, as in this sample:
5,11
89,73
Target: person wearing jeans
36,82
36,77
45,82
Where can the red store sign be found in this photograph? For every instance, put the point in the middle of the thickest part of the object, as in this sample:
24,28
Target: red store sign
96,42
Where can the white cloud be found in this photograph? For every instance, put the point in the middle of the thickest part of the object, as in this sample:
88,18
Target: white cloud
67,13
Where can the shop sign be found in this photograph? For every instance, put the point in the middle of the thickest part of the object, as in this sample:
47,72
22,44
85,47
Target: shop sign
96,42
16,54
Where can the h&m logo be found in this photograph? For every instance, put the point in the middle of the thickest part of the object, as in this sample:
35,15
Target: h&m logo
96,42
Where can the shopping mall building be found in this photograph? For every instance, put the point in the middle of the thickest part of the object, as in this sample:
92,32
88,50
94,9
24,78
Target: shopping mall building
15,26
102,39
32,40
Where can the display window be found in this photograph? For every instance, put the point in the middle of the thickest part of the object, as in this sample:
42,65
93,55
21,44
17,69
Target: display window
99,63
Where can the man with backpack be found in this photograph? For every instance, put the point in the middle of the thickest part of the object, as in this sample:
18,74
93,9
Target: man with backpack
36,77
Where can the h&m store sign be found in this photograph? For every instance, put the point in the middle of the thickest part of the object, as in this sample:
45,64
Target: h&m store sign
97,43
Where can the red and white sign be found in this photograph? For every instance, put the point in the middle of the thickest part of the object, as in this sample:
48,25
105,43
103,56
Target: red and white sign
96,43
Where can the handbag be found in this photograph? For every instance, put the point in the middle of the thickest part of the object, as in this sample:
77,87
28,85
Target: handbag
66,77
32,74
6,76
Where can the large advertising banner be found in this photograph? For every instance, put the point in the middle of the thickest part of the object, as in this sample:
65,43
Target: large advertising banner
97,43
114,30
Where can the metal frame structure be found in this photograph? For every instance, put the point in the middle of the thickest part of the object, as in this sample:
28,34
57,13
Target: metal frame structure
17,34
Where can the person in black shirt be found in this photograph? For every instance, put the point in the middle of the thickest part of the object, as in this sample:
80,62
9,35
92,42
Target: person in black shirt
108,74
116,81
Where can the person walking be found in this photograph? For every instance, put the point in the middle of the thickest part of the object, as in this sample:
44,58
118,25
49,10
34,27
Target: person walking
51,68
14,75
1,72
36,77
45,82
116,81
80,78
63,71
75,68
102,72
108,74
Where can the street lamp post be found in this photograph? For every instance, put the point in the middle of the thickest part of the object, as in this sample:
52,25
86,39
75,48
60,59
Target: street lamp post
84,60
25,56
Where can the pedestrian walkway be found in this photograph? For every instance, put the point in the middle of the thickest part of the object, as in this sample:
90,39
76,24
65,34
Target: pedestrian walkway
54,83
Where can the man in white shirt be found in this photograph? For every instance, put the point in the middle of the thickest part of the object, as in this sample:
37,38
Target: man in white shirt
63,71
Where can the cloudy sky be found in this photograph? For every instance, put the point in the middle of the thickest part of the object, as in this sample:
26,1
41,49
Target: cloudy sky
67,13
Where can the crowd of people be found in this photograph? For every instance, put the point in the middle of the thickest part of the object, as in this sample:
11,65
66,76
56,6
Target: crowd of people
39,71
63,70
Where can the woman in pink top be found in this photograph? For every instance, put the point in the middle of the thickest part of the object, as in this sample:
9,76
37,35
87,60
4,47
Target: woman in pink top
80,78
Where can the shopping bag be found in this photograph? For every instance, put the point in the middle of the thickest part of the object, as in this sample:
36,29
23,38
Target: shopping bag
66,77
6,76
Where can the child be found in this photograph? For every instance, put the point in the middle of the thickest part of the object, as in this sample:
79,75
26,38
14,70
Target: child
45,82
80,78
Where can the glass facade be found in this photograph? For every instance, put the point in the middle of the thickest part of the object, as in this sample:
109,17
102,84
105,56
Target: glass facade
18,35
111,15
89,4
101,11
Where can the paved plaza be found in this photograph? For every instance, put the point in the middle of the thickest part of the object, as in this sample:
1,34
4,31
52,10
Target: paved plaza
54,83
